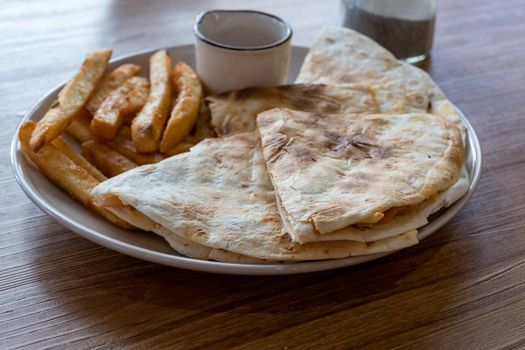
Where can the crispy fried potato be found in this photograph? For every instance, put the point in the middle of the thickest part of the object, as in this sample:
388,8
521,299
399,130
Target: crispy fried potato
126,100
125,132
203,129
109,161
115,79
127,149
79,160
186,107
65,173
121,143
180,148
71,99
79,127
147,127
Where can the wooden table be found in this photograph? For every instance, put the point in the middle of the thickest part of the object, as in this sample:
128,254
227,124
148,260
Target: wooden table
463,288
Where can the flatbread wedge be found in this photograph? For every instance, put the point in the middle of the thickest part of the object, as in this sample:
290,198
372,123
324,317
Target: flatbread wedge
235,111
219,196
331,171
341,56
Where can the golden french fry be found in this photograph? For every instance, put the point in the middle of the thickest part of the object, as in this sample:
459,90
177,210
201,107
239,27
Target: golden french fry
109,161
121,143
179,148
146,128
125,132
65,173
127,149
79,127
186,107
71,99
203,129
115,79
126,100
79,160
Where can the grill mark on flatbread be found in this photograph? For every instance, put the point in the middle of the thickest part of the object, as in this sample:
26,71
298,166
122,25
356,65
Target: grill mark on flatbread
211,217
414,100
391,149
235,112
341,55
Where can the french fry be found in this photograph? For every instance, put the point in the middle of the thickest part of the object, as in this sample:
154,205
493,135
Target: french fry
146,128
180,148
71,99
115,79
126,100
79,160
79,127
65,173
127,149
110,162
203,129
125,132
186,107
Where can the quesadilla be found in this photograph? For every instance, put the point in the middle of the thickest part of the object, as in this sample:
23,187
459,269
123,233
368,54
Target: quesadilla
341,56
217,201
235,111
332,171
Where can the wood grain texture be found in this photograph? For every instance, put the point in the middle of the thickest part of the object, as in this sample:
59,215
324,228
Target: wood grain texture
463,288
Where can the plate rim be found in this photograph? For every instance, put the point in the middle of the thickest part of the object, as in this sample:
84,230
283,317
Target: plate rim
180,261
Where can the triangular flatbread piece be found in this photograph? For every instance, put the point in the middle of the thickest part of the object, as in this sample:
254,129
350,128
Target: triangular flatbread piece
218,199
235,111
330,171
341,56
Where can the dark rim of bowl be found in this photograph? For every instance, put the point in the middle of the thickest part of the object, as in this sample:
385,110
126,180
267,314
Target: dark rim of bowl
204,38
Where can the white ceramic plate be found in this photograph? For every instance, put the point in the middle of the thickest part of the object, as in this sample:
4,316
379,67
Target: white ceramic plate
153,248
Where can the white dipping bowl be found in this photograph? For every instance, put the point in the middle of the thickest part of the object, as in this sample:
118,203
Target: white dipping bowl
236,49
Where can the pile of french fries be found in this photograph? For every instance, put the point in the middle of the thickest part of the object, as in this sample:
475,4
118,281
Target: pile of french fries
120,119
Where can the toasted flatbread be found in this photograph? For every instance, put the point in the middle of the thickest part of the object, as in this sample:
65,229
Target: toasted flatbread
235,111
341,56
411,218
219,196
331,171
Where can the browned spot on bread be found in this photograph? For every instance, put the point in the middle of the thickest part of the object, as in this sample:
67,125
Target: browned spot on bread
306,97
302,153
200,233
333,211
378,122
276,145
381,152
356,186
332,136
282,238
358,181
312,120
292,247
417,99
